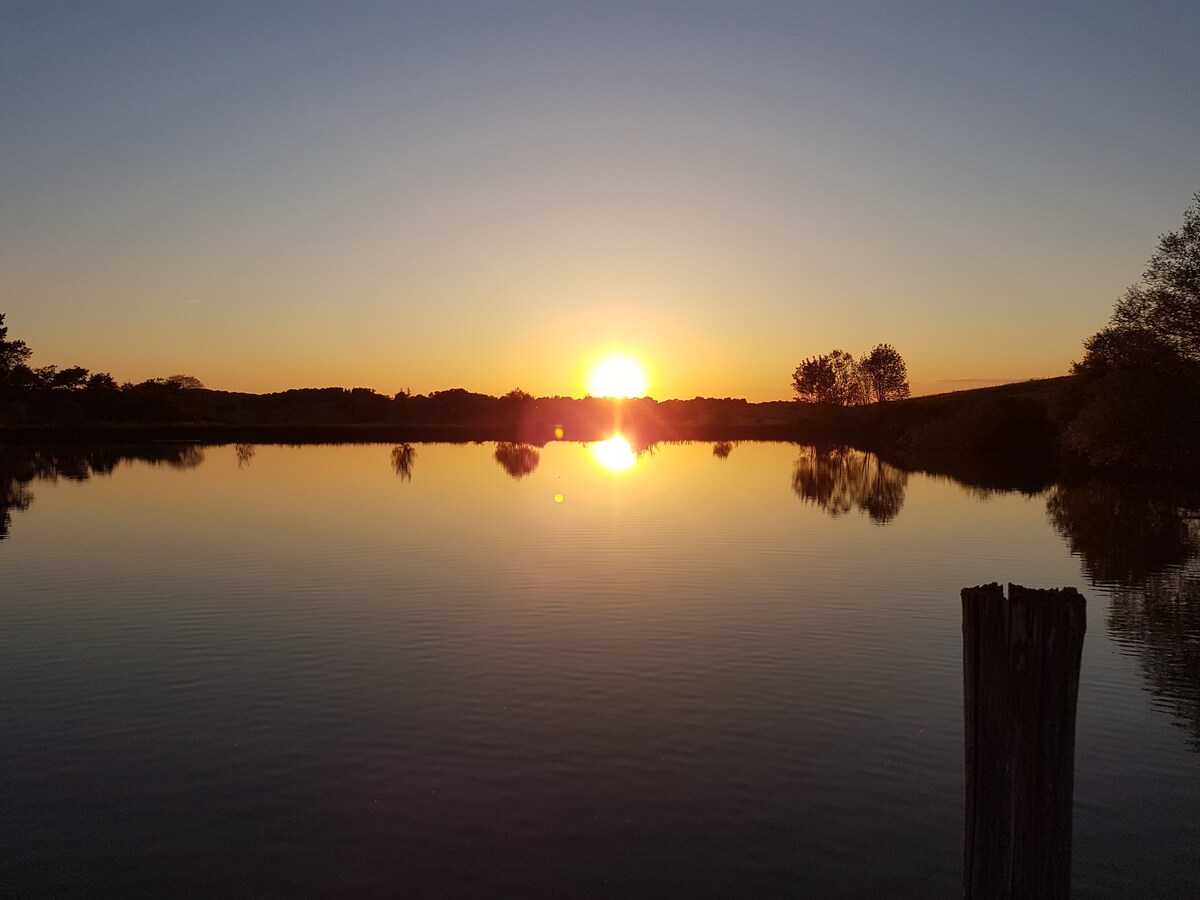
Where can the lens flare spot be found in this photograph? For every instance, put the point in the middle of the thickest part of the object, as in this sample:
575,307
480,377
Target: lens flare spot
558,498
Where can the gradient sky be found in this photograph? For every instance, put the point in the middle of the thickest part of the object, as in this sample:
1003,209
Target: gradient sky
489,195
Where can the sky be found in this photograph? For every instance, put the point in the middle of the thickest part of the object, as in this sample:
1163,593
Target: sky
494,195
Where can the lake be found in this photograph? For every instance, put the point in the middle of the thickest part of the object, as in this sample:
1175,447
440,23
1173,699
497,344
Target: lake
481,670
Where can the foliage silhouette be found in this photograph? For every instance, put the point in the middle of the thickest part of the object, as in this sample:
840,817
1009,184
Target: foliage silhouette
1141,372
722,449
830,378
884,374
837,378
1167,302
1119,348
1131,386
13,355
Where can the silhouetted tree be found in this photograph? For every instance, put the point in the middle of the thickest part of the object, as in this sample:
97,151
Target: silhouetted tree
1167,302
1139,380
73,378
13,355
1126,347
830,378
884,374
101,381
244,453
722,449
1132,402
518,460
184,382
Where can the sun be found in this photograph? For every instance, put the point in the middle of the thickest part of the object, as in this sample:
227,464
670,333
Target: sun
617,375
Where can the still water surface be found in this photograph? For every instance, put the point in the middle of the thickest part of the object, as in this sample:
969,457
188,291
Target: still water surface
571,671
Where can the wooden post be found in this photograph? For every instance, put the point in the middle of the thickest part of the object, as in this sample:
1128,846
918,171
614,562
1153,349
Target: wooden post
1020,686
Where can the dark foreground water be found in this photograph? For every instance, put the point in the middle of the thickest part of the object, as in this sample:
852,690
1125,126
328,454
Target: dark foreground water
502,671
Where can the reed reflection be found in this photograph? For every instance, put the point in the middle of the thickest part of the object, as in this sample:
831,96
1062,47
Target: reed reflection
839,479
244,453
1144,544
518,460
722,449
21,466
403,456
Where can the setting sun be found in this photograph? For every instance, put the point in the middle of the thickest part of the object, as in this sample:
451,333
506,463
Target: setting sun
617,376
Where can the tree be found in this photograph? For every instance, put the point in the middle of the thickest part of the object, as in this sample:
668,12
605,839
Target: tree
1126,347
1167,302
13,354
813,380
101,381
884,374
1140,376
184,382
830,378
836,377
73,378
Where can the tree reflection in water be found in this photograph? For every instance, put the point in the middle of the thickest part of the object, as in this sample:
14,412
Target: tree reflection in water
403,456
518,460
839,479
19,466
722,449
14,497
1143,544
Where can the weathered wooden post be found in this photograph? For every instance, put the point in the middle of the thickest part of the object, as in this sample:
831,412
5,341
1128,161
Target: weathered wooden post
1020,685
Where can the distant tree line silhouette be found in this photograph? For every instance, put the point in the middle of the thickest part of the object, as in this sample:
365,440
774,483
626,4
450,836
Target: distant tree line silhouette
76,397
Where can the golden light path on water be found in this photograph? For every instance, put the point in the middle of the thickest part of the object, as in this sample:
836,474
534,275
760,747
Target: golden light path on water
614,454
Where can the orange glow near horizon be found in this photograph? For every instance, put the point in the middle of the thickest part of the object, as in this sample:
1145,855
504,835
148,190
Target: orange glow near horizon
614,454
617,375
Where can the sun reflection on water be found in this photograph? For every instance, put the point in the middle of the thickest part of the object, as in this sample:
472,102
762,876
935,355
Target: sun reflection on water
614,454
